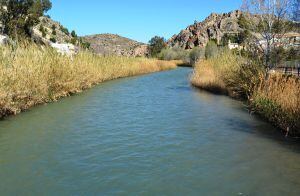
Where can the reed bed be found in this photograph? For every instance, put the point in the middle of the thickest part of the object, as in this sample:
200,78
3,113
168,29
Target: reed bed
32,75
210,74
275,98
278,100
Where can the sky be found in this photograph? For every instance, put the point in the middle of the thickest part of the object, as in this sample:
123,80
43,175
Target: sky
136,19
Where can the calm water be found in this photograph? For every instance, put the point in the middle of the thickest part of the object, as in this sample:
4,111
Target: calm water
148,135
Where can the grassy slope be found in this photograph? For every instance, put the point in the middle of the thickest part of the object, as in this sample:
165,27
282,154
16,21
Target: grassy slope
32,75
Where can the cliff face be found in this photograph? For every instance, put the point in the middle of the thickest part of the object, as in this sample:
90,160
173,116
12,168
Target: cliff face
213,27
110,44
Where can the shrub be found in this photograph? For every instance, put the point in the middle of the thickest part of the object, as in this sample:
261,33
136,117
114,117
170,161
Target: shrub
84,44
211,49
188,57
53,39
196,54
42,30
73,34
64,30
175,53
73,41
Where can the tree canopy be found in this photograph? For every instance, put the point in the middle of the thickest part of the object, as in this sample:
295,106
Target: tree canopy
19,16
156,45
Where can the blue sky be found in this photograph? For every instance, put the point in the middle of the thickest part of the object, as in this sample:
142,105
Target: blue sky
135,19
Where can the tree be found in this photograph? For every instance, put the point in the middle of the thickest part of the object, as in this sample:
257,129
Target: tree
273,21
46,5
156,45
73,34
19,16
278,56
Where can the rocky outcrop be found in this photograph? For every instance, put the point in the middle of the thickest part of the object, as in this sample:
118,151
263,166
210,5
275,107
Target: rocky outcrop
66,49
213,27
4,39
110,44
50,30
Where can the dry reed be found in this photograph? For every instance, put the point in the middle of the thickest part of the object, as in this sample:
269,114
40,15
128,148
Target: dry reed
31,75
276,99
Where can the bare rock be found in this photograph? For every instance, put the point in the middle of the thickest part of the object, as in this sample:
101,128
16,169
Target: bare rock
213,27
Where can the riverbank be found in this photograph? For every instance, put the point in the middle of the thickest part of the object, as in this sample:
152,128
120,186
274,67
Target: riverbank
275,99
31,75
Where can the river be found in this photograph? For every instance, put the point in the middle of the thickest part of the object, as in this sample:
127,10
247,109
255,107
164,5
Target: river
146,135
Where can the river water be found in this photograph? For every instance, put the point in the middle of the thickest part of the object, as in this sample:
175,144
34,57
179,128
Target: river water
146,135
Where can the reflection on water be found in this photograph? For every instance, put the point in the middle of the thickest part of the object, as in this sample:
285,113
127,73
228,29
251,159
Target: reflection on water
150,135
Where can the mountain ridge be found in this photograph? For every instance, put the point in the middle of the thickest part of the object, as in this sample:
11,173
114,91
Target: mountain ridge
113,44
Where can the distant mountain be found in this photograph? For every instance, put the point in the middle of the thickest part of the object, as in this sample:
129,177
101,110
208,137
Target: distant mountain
111,44
213,27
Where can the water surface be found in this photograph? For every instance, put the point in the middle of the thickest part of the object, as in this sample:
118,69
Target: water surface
147,135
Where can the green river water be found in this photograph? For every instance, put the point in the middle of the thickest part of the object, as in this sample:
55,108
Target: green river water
146,135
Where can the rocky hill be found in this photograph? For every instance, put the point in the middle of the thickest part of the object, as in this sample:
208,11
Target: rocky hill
110,44
50,30
213,27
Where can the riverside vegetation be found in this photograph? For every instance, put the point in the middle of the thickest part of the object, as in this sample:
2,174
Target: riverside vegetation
276,97
32,75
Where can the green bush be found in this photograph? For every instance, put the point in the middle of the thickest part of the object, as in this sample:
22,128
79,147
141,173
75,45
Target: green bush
43,31
84,44
196,54
175,53
53,39
187,56
64,30
73,41
73,34
211,49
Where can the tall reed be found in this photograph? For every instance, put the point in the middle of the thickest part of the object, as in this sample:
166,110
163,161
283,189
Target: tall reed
275,98
210,74
278,100
31,75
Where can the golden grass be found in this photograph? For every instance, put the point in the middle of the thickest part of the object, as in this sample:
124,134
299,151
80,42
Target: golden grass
277,99
206,77
210,74
31,75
